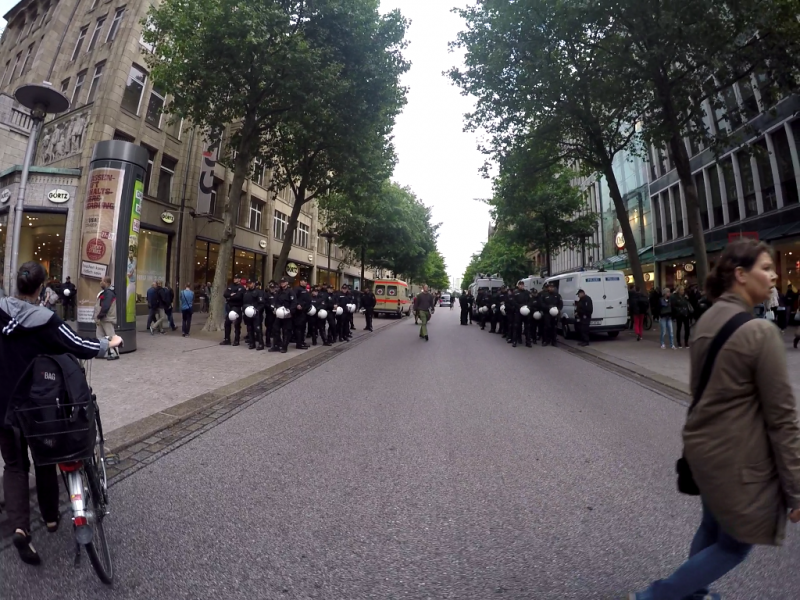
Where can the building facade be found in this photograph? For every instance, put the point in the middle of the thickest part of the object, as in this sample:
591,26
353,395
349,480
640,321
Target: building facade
92,51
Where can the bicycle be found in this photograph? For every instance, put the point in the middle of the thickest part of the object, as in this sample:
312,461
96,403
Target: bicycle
75,443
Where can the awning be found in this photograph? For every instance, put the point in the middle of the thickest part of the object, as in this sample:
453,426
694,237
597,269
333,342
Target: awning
687,252
620,261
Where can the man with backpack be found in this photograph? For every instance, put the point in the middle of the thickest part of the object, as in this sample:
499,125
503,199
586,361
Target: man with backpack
105,313
167,297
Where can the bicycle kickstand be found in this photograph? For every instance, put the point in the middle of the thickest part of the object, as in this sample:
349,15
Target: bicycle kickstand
77,555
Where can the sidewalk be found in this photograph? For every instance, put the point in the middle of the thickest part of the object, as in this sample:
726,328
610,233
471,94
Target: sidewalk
668,367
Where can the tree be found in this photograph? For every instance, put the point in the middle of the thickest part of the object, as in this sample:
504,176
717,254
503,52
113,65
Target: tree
341,137
436,272
501,255
539,209
542,80
225,62
683,53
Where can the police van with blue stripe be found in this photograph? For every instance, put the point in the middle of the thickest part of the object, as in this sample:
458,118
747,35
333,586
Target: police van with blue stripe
609,293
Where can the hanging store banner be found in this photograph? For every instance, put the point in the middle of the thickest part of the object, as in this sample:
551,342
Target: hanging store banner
209,161
98,235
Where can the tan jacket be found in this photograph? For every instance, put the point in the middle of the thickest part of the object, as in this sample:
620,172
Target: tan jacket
742,440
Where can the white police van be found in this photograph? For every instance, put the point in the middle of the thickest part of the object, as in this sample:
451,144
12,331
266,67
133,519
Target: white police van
490,283
609,293
532,282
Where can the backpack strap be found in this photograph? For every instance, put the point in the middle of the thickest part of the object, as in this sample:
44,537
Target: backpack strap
722,336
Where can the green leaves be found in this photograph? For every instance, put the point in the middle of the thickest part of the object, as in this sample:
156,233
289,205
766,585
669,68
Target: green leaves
501,254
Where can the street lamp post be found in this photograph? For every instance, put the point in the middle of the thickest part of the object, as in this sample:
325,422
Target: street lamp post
41,100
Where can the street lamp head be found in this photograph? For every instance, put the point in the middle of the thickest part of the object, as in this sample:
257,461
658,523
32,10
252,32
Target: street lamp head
41,100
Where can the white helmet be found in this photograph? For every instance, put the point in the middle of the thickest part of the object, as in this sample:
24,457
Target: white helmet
232,316
351,308
484,309
323,314
282,312
494,306
67,292
503,308
524,311
312,311
554,312
250,312
339,311
537,315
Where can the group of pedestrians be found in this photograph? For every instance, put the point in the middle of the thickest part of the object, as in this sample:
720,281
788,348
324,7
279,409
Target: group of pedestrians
280,315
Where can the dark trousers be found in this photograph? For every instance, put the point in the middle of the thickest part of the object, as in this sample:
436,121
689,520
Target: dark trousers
269,321
464,316
236,327
168,312
493,316
254,330
550,334
683,323
482,319
281,333
343,326
349,316
368,314
521,323
69,309
332,326
186,323
299,328
14,450
583,328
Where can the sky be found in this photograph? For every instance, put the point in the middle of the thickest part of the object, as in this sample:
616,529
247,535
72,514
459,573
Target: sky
437,160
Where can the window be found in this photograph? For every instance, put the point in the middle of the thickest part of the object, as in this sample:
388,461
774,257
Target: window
65,86
716,197
213,208
380,290
98,74
256,210
748,185
174,126
155,107
45,14
20,35
7,72
301,235
165,178
16,64
730,190
676,195
79,43
785,168
32,22
132,95
749,102
148,175
764,166
122,136
258,173
665,198
112,33
76,93
702,203
96,33
657,212
94,4
27,60
279,225
147,47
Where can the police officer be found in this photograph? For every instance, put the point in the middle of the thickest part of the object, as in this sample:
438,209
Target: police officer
522,297
537,325
464,303
253,297
368,302
330,307
471,302
583,314
282,331
494,310
480,301
315,323
234,298
550,299
351,299
269,313
343,321
502,321
302,299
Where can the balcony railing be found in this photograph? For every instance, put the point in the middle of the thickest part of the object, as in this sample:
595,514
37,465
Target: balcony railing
20,119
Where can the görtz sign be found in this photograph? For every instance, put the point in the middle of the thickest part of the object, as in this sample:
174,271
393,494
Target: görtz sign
58,196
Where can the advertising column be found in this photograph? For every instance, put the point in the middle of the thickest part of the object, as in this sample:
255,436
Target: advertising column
110,234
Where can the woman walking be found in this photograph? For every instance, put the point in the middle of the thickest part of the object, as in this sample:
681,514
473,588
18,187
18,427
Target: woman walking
741,437
665,321
682,311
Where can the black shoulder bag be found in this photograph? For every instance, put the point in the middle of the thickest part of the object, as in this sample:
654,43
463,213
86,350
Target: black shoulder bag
686,482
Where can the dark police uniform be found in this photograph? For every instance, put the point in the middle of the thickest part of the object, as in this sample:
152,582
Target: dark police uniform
282,330
583,315
368,302
315,324
494,301
269,315
342,299
302,299
502,320
330,302
521,298
549,300
466,306
234,298
255,298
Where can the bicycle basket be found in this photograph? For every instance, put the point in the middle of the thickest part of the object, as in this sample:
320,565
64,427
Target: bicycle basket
54,412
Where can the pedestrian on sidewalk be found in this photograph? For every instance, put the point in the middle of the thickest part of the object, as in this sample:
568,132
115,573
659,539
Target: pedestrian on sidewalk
187,308
682,311
665,322
741,437
155,315
105,313
167,299
640,306
424,305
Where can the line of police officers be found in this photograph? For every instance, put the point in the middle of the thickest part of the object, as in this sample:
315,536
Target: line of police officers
502,311
301,320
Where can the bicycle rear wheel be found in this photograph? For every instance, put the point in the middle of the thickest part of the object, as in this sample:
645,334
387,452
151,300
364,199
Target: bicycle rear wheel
648,322
98,549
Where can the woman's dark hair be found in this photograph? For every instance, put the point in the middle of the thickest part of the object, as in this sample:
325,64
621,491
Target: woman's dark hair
742,253
30,276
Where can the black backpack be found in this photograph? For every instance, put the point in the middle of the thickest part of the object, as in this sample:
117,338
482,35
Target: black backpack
54,408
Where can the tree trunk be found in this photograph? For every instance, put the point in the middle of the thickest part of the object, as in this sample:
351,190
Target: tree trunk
216,305
625,225
692,215
283,258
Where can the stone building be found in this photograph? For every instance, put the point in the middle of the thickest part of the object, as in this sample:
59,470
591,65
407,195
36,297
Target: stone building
92,51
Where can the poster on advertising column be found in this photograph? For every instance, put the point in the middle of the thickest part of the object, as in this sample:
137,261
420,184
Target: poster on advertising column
98,235
133,251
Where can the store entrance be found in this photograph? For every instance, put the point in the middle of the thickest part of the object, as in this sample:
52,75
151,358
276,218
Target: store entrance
42,240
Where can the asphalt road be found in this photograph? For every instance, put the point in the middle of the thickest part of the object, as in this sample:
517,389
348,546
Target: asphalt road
455,469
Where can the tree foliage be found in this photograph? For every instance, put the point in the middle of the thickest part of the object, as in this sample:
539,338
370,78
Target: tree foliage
501,255
435,272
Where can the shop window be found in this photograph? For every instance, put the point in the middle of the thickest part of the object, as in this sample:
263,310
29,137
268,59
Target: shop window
730,190
716,196
256,210
665,198
165,177
76,93
702,202
206,255
783,155
81,36
301,235
42,240
656,200
279,225
765,176
155,107
118,16
151,261
148,174
244,265
132,95
96,33
748,185
98,74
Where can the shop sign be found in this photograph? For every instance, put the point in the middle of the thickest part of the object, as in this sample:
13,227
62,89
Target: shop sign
619,241
648,277
688,267
310,258
262,244
167,217
753,235
58,196
5,195
291,270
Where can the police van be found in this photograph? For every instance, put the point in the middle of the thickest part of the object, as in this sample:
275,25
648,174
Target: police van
490,283
609,293
532,282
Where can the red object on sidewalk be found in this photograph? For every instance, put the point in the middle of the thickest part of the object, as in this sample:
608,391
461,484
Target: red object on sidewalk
638,325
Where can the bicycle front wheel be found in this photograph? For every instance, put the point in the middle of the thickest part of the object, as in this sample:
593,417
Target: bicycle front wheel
648,322
98,549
